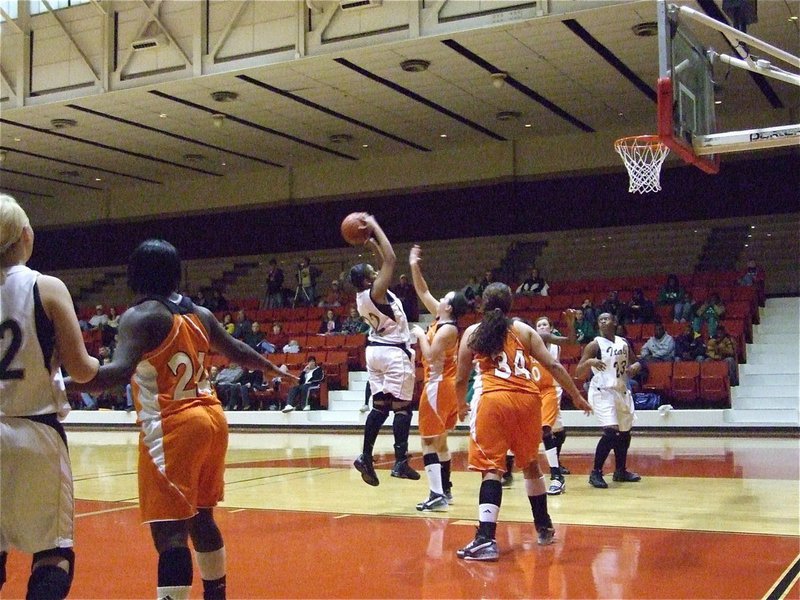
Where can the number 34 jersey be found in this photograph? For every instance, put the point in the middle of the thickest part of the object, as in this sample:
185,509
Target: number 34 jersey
30,378
507,371
174,376
615,356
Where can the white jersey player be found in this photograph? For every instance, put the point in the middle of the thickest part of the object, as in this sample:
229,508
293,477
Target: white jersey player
38,332
611,362
390,358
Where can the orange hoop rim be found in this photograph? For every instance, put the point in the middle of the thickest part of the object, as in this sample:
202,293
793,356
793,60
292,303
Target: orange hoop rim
639,141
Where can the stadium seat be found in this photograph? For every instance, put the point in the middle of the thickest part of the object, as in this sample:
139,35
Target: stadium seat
659,377
685,384
570,354
714,384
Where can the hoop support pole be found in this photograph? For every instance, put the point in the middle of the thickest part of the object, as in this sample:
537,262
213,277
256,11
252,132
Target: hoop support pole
752,139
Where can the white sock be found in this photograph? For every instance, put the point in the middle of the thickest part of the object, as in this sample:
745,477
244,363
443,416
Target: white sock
552,457
488,513
211,564
173,592
434,473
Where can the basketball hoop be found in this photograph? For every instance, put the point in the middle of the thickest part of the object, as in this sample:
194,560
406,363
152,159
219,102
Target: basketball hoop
643,156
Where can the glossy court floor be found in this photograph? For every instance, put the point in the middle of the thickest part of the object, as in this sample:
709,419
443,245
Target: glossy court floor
714,517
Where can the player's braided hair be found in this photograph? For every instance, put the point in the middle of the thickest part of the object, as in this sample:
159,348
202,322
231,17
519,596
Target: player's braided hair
489,336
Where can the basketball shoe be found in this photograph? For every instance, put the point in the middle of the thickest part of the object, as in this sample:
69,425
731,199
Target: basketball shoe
403,470
481,548
626,476
596,479
435,502
363,465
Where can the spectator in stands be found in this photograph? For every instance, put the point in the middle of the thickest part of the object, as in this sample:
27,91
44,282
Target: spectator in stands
534,284
334,296
277,329
273,298
218,301
723,347
292,347
589,312
99,318
672,294
113,319
585,331
330,323
488,277
640,309
709,312
660,347
307,275
255,336
689,345
227,323
200,299
613,306
471,293
354,323
310,377
408,297
230,388
243,325
751,275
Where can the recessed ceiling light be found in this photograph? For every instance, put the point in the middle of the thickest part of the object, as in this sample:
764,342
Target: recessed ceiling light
224,164
528,125
97,179
224,96
442,135
17,139
717,102
62,123
163,115
415,65
646,29
365,145
793,18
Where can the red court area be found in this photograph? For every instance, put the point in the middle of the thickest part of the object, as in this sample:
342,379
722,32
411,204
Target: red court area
314,555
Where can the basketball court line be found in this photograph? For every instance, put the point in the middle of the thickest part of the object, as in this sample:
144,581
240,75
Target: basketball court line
785,582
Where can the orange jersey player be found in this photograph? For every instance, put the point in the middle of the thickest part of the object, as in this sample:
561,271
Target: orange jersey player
438,409
164,345
506,414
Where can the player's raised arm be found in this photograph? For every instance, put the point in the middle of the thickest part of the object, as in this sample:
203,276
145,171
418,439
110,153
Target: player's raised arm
388,260
420,285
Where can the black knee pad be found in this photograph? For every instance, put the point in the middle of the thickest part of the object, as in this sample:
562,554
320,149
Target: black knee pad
560,436
491,492
51,581
406,411
175,567
549,440
382,402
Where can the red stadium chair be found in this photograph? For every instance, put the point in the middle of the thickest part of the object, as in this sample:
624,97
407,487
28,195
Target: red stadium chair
659,377
570,354
685,381
714,384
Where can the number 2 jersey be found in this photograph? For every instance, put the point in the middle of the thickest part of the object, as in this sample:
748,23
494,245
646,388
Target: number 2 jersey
174,376
30,378
615,356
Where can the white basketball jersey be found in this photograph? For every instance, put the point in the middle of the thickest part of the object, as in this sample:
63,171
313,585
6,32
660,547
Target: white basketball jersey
28,386
382,327
615,357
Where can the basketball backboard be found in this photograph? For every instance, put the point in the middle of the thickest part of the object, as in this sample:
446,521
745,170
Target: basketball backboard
686,119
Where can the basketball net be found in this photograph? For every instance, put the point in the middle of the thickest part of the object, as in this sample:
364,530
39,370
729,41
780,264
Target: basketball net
643,156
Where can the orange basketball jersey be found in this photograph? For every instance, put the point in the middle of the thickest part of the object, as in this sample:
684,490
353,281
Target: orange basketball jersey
438,408
446,369
174,376
508,371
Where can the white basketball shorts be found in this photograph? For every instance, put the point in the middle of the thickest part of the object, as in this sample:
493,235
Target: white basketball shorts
390,371
612,407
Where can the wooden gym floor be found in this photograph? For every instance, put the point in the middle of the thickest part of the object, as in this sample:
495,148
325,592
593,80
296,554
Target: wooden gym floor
714,517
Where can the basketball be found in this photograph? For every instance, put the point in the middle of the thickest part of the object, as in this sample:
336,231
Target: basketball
354,231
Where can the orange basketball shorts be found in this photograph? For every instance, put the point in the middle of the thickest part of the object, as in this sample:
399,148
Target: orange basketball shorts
438,410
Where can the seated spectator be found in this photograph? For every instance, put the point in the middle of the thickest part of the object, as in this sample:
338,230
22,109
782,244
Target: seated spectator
752,274
310,377
255,336
105,399
292,347
113,319
589,312
335,296
639,309
585,331
488,277
689,345
660,347
99,318
612,305
228,324
243,325
534,284
218,301
723,347
354,323
672,294
405,291
330,323
709,312
230,388
200,299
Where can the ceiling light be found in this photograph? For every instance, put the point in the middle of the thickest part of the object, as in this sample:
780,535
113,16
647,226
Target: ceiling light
528,125
224,96
97,179
62,123
224,164
442,135
163,115
191,157
793,18
717,102
646,29
17,139
507,115
3,155
499,79
365,145
218,119
340,138
415,65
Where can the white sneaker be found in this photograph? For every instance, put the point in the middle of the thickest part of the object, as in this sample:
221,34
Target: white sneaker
307,407
364,408
556,487
288,408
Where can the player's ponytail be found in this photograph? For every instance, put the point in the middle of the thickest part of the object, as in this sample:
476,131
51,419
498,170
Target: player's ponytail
489,336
